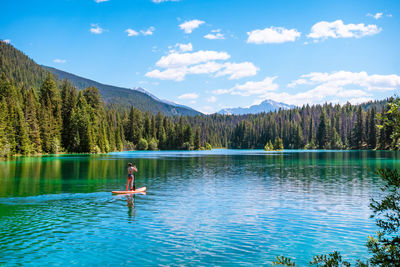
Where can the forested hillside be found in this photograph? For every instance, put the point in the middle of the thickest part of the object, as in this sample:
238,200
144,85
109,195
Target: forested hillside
126,97
23,71
53,116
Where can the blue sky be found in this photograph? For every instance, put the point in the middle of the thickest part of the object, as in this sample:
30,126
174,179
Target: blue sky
215,54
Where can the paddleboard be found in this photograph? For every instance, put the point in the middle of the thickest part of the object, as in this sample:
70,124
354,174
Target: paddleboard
138,190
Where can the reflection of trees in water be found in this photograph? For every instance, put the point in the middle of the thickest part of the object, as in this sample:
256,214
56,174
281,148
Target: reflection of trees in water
350,170
86,173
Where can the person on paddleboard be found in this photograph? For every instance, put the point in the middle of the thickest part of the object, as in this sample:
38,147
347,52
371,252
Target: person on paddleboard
131,177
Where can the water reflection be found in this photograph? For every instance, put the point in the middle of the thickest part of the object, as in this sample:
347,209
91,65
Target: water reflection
26,176
211,208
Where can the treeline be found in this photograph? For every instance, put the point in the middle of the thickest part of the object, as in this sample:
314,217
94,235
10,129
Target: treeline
309,127
51,120
315,127
55,119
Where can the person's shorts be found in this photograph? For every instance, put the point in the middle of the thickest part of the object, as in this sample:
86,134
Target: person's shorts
130,176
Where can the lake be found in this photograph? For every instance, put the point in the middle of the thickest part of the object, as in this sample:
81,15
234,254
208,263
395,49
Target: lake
219,207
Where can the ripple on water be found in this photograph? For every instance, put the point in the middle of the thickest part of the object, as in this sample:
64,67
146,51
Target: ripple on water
211,208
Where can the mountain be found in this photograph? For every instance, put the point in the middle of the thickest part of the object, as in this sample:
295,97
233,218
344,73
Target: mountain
137,97
265,106
23,71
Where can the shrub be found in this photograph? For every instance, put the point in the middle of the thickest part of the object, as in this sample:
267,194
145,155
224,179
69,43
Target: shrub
142,145
153,145
208,146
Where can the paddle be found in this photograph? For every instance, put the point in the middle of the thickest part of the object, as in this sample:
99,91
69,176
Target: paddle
134,179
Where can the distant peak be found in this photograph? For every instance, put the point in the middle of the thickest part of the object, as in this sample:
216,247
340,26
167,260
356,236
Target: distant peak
267,105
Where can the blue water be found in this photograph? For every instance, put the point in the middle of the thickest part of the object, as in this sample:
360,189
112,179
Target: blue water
220,207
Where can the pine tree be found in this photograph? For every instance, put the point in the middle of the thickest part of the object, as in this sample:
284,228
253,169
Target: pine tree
4,142
82,127
371,139
31,113
357,132
197,141
188,134
323,134
69,96
51,112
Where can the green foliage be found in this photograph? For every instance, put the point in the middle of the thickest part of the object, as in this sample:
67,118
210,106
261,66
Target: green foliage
69,97
142,145
82,129
153,144
324,132
278,144
282,260
50,116
390,124
197,141
125,97
332,260
311,145
386,246
371,129
186,146
208,146
31,113
357,133
269,146
20,69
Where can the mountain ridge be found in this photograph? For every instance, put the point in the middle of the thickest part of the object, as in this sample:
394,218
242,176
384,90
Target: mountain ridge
137,96
266,106
25,72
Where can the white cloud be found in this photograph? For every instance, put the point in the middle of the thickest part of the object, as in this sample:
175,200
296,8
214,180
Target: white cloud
336,87
251,88
131,32
376,16
188,96
100,1
337,29
273,35
212,99
186,59
7,41
96,29
176,74
183,47
57,60
177,65
189,26
319,95
216,36
340,86
238,70
149,31
342,78
205,68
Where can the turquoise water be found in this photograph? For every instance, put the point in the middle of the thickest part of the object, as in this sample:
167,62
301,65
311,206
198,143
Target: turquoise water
220,207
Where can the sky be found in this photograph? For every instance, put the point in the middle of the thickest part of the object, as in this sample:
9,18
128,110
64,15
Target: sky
214,54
